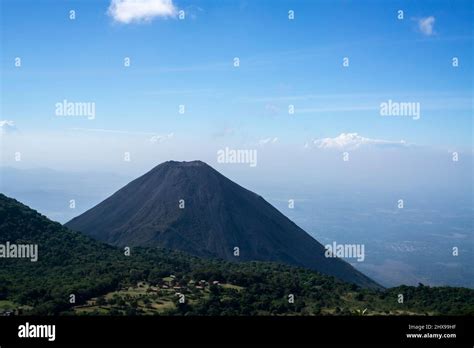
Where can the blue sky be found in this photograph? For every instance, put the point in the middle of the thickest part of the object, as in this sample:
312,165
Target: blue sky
282,62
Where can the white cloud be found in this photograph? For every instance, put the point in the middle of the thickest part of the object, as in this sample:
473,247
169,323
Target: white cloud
267,141
426,25
351,141
128,11
7,127
161,138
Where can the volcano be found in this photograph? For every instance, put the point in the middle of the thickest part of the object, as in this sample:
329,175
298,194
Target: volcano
191,207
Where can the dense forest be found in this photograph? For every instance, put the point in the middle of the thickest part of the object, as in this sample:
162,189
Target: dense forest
106,280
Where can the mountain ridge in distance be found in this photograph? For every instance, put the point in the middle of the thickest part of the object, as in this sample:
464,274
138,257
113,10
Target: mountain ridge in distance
189,206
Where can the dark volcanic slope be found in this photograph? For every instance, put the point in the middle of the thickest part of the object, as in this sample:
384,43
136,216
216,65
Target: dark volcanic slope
218,216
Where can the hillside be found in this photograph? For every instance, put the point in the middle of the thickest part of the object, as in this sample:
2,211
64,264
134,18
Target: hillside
107,282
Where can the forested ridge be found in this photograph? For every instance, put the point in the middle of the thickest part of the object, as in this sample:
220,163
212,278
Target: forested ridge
71,263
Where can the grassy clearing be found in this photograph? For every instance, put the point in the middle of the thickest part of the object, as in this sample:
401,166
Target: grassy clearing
5,305
231,286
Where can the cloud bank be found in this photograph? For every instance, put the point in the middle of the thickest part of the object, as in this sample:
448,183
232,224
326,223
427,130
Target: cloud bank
352,141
